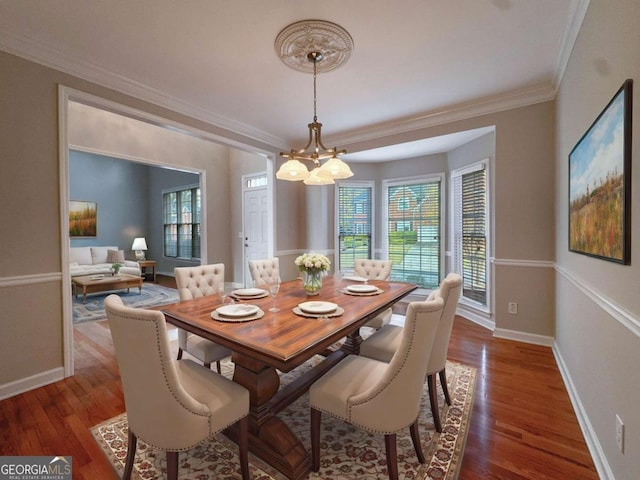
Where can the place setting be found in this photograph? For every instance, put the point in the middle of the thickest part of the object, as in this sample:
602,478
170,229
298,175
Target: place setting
237,312
363,289
318,309
249,293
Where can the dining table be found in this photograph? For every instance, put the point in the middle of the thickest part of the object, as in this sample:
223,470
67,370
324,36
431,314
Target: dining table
281,341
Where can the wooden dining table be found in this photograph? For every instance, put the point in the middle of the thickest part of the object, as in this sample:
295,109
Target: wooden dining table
282,341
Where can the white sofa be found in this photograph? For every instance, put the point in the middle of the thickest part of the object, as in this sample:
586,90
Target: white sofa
95,260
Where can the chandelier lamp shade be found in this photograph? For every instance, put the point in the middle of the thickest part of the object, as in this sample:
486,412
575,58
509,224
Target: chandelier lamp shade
314,46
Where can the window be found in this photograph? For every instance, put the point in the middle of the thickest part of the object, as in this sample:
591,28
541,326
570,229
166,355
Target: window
470,227
354,219
413,223
181,213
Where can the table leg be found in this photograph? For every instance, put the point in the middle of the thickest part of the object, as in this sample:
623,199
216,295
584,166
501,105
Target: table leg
269,437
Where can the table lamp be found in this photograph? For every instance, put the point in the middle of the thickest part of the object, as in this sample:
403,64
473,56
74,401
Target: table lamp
139,245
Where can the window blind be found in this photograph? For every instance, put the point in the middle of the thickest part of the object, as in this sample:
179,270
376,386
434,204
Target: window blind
181,214
470,233
413,227
354,224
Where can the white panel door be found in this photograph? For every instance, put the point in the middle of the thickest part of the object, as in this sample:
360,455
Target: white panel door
256,243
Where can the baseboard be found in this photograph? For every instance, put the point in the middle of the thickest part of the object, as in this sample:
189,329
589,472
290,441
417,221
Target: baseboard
589,434
476,317
525,337
17,387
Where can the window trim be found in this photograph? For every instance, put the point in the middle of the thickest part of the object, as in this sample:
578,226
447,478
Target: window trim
336,230
395,182
202,213
459,172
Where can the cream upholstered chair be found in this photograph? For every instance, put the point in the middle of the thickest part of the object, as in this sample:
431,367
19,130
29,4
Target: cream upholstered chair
383,343
194,282
171,405
375,270
265,271
377,396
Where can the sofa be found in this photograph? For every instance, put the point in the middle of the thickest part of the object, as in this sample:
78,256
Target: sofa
97,260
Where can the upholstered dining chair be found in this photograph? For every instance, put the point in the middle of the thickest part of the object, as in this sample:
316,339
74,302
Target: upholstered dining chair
377,396
375,270
171,405
194,282
264,271
383,343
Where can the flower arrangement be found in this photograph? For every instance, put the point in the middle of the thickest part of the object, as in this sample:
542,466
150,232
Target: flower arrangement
312,263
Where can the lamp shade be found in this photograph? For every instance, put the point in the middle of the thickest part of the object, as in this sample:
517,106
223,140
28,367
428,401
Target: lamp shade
335,169
139,244
292,170
316,179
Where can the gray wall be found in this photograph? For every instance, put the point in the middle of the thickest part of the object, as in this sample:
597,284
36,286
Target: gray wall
129,198
598,302
121,191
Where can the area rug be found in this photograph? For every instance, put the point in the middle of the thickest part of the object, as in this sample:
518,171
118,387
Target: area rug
346,452
152,295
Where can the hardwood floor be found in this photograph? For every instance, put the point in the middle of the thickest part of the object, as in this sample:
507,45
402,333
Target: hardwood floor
522,425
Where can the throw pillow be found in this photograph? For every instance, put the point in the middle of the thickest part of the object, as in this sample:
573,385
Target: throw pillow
115,256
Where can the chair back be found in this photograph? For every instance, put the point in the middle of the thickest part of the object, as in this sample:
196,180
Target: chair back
449,290
372,269
159,410
199,281
393,402
264,271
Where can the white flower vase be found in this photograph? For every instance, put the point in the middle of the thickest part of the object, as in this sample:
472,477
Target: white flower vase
312,282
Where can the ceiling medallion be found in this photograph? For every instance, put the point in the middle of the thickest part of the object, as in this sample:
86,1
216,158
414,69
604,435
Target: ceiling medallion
294,43
314,46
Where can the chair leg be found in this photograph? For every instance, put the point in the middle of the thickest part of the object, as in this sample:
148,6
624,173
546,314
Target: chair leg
392,455
243,447
316,416
218,367
433,398
179,354
131,455
172,465
415,438
443,384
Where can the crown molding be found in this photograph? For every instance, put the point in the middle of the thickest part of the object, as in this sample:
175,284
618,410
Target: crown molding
577,12
48,56
462,111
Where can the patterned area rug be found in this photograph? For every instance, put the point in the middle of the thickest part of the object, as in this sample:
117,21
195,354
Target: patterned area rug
346,452
152,295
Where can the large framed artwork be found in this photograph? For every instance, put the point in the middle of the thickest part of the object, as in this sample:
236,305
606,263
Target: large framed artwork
83,218
600,184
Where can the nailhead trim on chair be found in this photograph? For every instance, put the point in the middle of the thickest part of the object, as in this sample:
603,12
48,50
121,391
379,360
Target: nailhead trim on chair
164,375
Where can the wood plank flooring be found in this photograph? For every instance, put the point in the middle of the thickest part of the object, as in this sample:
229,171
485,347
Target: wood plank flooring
522,425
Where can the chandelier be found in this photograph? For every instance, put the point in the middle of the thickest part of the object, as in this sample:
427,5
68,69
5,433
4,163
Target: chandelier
318,46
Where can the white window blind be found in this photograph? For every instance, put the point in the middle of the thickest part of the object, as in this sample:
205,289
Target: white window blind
354,224
470,231
413,231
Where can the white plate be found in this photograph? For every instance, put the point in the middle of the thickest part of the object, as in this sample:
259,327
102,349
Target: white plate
317,307
362,288
237,311
355,278
249,292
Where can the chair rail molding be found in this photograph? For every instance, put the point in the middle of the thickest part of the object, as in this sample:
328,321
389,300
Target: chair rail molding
623,316
31,279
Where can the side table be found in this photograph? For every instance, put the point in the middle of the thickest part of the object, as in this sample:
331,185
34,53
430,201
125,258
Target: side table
144,264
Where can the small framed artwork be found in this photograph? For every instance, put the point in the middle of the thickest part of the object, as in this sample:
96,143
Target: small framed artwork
83,218
600,184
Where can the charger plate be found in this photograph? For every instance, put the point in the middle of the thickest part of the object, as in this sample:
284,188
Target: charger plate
336,313
317,307
378,291
221,318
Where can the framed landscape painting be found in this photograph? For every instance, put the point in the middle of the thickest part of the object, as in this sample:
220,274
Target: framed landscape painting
83,218
600,184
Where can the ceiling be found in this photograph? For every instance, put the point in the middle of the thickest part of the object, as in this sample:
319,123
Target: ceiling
415,63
